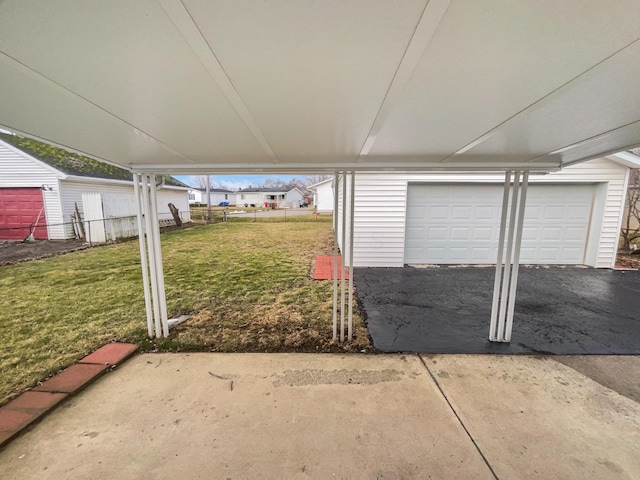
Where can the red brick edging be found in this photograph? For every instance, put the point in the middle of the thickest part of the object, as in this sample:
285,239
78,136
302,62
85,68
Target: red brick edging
33,405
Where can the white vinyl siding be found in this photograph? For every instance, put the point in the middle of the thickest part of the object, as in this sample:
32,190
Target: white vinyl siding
381,203
19,170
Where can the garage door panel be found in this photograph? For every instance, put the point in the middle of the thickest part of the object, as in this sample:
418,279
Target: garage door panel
481,234
485,213
438,213
575,233
462,223
20,208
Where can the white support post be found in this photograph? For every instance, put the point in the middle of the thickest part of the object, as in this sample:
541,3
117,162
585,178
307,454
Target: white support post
335,256
506,281
143,254
351,230
493,329
146,183
342,252
508,259
158,259
516,257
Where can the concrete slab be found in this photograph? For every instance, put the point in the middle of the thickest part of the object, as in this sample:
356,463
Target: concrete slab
565,311
533,417
252,415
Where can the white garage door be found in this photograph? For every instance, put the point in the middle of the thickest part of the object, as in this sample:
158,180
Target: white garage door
460,223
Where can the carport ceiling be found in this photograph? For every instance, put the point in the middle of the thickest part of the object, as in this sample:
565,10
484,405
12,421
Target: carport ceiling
229,85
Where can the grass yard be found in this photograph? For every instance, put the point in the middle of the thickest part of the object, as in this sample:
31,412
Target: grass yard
247,286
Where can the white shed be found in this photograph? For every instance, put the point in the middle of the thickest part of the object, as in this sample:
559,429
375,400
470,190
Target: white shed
572,217
323,195
42,183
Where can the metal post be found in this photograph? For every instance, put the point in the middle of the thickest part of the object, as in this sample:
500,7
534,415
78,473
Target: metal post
143,254
335,256
343,256
152,262
158,258
493,329
508,259
516,257
351,230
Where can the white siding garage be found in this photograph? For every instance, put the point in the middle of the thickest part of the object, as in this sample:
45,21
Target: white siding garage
460,223
573,216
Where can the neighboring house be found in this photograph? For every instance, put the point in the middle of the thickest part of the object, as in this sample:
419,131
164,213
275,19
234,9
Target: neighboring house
199,196
323,195
572,216
269,197
38,180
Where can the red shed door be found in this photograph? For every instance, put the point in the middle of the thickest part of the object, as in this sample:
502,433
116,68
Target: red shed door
19,208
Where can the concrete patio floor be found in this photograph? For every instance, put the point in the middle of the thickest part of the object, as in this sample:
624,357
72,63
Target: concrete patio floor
562,311
209,415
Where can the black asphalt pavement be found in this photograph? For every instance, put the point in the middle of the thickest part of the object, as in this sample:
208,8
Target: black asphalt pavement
564,311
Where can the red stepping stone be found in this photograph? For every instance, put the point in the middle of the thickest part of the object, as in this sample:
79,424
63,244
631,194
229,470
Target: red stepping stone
111,354
73,378
324,268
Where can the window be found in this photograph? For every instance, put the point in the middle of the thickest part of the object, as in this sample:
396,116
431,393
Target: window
226,197
192,196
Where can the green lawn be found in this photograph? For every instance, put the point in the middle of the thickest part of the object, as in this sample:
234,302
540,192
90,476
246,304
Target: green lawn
247,286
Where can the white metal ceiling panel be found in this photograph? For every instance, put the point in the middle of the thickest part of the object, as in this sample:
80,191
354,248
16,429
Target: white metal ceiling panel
312,73
490,60
177,85
596,102
129,59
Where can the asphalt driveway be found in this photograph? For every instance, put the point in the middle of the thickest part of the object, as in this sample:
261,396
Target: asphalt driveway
564,311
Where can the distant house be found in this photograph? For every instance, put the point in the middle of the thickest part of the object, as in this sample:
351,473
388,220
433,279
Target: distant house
43,183
323,195
269,197
198,196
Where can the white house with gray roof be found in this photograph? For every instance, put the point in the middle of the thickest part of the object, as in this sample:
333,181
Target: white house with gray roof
269,197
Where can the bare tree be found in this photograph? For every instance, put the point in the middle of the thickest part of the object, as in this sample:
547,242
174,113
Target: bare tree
313,179
631,221
200,181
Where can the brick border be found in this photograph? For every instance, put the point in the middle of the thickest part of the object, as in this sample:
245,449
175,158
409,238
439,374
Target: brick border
31,406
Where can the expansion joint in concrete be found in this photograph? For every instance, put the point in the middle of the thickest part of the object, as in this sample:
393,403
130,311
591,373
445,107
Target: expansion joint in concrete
464,427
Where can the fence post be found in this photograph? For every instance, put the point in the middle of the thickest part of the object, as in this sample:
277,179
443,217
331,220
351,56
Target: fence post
89,230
